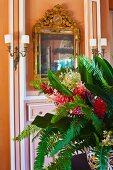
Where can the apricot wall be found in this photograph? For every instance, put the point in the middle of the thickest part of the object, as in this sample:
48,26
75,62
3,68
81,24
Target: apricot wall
111,4
4,90
105,25
35,9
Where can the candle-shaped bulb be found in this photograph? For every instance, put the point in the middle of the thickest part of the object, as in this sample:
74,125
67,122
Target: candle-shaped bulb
103,42
8,38
93,42
25,39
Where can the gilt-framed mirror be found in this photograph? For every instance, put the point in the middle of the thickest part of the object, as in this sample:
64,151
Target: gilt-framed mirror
56,39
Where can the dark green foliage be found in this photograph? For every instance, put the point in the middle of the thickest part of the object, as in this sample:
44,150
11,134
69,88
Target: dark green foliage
56,84
45,121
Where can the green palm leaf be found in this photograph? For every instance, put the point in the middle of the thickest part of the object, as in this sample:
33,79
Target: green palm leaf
93,69
56,84
109,66
107,74
85,75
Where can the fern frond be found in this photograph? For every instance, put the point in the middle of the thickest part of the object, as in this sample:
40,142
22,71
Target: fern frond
72,132
42,148
30,129
54,138
63,162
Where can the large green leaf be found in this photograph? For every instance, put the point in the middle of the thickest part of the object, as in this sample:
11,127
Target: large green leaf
82,70
108,64
56,84
45,121
107,74
85,75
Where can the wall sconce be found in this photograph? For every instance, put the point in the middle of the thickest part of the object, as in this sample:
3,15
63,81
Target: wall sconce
93,45
16,54
95,52
103,43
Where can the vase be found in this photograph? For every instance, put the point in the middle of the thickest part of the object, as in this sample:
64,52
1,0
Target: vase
80,162
88,161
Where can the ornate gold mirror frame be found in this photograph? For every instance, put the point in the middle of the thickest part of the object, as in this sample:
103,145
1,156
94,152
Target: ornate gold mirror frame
56,37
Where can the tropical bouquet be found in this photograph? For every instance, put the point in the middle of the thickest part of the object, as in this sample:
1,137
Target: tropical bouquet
83,116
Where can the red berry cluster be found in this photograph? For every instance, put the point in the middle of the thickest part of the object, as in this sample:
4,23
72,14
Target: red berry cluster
100,107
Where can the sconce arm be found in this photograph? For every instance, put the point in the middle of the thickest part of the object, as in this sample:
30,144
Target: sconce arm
16,54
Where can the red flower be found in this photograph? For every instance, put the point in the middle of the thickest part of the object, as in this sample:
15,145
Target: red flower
81,91
60,99
100,107
47,89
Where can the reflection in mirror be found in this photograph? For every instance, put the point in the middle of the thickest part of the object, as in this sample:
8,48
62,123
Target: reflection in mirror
56,52
56,40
